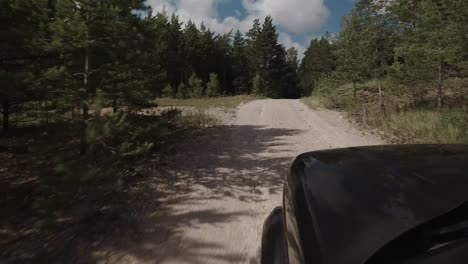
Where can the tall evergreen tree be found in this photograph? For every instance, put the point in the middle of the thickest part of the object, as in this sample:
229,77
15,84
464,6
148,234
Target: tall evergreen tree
272,58
253,42
86,32
207,51
191,50
213,86
240,65
223,61
318,60
431,51
23,25
195,86
175,57
292,58
290,75
351,51
378,39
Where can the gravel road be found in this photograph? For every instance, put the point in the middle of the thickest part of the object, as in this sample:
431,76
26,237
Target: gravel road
224,184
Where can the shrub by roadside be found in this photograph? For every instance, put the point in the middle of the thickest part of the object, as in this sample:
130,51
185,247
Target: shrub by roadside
404,120
61,197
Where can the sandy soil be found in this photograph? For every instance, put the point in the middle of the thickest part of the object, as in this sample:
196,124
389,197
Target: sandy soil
213,199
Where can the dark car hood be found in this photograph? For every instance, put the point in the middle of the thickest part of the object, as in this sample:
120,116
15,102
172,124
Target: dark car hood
359,199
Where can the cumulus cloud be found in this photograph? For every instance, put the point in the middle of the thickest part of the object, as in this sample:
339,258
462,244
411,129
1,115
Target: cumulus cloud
287,41
297,16
198,11
292,16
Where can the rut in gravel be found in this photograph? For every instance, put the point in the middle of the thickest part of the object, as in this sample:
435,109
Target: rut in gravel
225,183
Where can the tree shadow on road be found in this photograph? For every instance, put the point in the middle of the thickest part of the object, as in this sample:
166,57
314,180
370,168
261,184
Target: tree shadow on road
242,164
235,158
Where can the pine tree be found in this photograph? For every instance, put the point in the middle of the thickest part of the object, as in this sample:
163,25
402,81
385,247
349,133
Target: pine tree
207,50
270,64
191,50
182,92
290,75
169,91
213,86
86,32
240,62
278,85
318,60
150,52
291,58
431,51
351,52
257,85
23,27
223,62
175,55
253,42
195,86
378,41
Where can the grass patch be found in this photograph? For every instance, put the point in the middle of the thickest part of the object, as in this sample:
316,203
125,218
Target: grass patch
422,126
404,121
231,102
198,119
313,102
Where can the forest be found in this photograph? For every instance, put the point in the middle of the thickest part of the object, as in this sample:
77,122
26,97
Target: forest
83,85
78,83
399,66
62,53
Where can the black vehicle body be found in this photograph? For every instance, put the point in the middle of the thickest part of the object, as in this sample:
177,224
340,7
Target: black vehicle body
381,204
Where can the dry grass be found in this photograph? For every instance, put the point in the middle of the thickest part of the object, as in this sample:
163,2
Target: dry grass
428,126
313,102
231,102
403,124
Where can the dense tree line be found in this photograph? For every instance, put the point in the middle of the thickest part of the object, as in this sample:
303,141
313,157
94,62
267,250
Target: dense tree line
416,46
58,54
318,60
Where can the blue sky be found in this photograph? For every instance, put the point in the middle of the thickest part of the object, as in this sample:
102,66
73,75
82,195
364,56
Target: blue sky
337,8
298,21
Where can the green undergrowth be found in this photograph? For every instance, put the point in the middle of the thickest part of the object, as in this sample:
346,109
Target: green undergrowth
402,120
75,177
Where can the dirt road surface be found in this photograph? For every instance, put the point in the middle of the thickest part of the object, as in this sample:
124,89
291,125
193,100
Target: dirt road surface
223,185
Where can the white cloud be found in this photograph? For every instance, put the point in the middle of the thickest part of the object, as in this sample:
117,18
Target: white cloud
297,16
294,16
288,42
198,11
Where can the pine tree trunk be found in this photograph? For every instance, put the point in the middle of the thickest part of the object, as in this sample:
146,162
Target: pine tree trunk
6,114
114,104
224,74
83,136
354,88
83,139
46,109
85,86
382,101
439,89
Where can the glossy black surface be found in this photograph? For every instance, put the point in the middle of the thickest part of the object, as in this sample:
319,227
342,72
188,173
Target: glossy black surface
342,206
273,239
